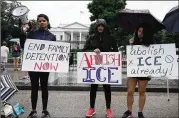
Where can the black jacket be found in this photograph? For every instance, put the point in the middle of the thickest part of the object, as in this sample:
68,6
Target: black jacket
37,34
107,45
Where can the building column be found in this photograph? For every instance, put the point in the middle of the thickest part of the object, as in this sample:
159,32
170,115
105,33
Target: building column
71,43
80,40
63,36
71,35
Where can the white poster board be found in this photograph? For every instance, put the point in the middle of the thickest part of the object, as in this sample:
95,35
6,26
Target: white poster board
103,69
46,56
158,60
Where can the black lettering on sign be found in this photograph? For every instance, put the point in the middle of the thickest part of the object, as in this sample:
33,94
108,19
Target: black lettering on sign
162,72
28,55
156,61
30,47
169,59
58,48
46,57
34,46
151,50
33,56
130,62
140,64
147,61
61,48
42,46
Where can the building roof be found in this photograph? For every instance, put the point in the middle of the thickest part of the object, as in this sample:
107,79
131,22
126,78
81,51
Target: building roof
75,25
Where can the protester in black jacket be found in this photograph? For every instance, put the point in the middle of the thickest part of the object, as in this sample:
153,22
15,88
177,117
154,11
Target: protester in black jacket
42,33
101,41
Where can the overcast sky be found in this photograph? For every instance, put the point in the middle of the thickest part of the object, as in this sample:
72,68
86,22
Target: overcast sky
66,12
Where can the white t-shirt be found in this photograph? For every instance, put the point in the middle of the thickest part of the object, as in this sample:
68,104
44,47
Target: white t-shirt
4,51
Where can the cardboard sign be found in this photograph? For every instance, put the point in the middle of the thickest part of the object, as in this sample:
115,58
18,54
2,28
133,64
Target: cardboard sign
157,60
46,56
105,68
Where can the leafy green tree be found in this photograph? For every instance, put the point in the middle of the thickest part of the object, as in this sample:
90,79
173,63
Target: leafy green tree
9,23
165,37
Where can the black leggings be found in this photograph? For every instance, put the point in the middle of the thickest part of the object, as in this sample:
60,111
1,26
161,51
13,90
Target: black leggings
107,91
34,77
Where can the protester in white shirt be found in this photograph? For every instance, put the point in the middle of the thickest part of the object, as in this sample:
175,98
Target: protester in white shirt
4,55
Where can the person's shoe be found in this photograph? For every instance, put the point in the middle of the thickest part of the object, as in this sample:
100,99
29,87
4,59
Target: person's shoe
24,77
127,114
32,114
90,112
109,113
140,115
45,114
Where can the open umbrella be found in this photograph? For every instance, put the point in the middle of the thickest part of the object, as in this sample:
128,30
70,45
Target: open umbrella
15,40
129,20
8,88
171,20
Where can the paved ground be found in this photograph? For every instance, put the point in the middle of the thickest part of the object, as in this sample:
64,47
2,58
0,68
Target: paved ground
73,104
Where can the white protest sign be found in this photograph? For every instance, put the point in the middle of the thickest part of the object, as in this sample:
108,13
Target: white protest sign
103,69
46,56
158,60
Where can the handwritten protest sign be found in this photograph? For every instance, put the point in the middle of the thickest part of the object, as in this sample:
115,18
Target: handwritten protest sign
99,69
46,56
157,60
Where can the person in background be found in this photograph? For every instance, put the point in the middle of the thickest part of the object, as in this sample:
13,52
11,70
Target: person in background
4,55
24,30
101,41
42,33
16,55
143,36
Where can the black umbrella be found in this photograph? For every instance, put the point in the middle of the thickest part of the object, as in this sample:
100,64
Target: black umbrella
171,20
8,88
129,20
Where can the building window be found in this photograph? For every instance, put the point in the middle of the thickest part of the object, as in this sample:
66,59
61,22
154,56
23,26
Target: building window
61,37
78,38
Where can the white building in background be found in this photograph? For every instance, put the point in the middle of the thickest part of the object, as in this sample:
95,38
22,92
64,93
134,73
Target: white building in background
75,33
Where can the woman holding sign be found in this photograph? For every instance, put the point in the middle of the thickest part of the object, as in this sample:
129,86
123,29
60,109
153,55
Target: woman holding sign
101,41
42,33
143,36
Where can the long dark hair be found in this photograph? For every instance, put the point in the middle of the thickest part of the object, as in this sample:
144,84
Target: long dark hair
103,34
46,17
147,35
